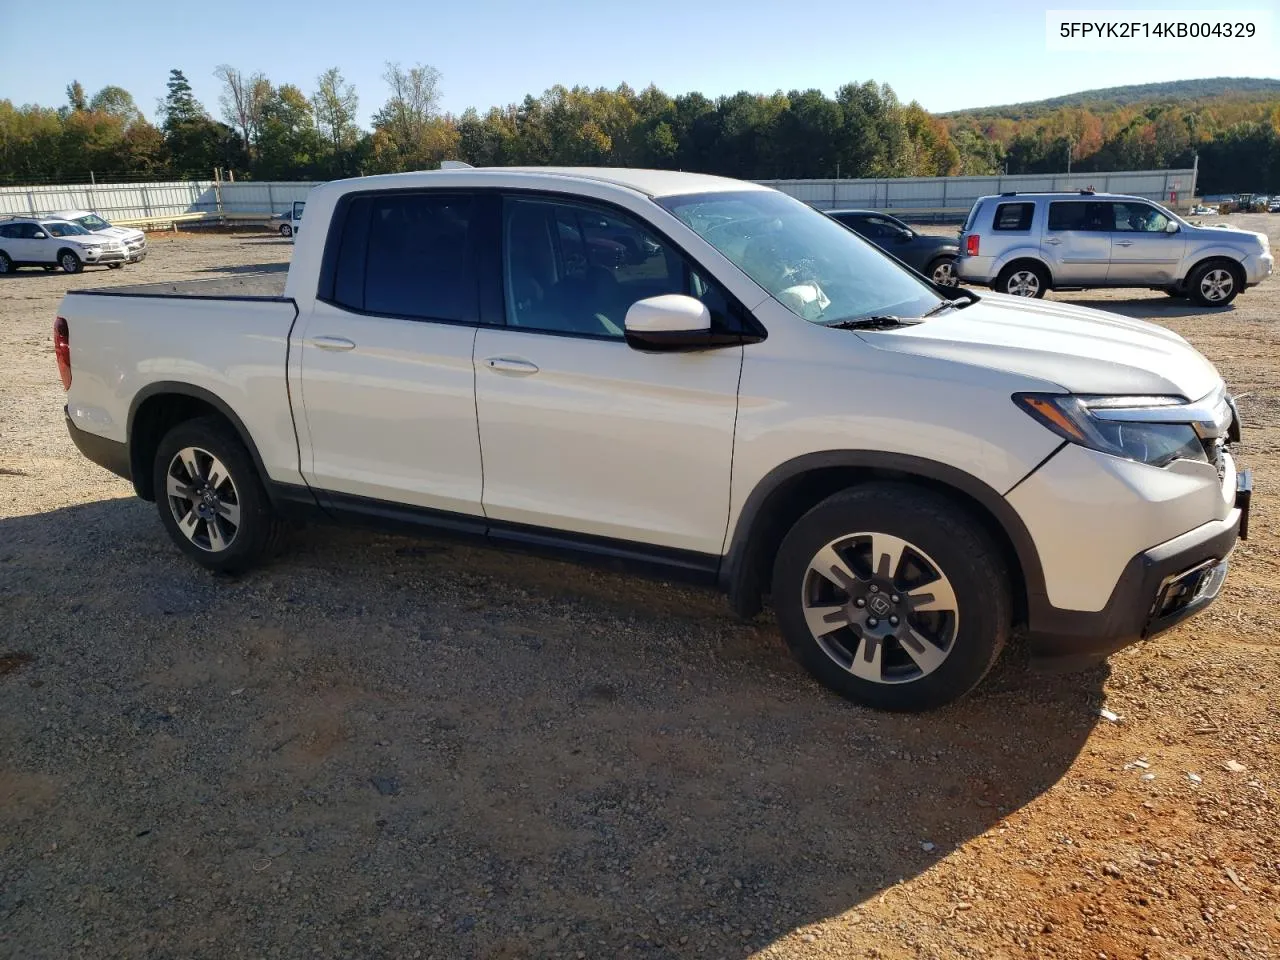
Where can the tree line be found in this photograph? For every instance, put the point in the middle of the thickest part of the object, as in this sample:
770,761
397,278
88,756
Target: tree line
270,132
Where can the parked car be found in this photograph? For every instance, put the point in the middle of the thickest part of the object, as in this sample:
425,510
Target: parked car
770,405
134,240
1026,244
1274,206
1202,210
935,257
49,243
295,219
283,222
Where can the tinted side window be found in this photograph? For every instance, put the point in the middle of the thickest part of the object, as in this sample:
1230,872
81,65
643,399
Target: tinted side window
571,268
854,223
1079,215
9,232
417,259
28,231
1013,216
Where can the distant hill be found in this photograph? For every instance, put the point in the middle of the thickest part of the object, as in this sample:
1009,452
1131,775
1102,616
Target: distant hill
1250,88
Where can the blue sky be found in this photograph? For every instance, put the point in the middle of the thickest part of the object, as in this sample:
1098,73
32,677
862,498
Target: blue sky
946,55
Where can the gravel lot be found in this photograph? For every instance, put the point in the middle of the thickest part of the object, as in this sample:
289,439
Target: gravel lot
381,747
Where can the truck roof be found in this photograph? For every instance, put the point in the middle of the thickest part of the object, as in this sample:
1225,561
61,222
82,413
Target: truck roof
653,183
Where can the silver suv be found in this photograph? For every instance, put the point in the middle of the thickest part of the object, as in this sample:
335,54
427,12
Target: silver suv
1025,244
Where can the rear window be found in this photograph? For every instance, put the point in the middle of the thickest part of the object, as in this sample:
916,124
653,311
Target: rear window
973,213
1013,216
1078,215
408,256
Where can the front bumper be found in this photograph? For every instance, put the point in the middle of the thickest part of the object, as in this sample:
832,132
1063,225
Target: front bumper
105,256
1158,589
1259,268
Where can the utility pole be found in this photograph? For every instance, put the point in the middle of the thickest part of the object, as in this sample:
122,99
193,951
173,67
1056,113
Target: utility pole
1069,146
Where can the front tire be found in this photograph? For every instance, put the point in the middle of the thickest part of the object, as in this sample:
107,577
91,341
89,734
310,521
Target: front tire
1214,284
114,266
286,230
210,497
893,597
70,262
6,264
1023,280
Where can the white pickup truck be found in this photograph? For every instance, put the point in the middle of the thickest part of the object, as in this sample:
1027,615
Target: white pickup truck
685,375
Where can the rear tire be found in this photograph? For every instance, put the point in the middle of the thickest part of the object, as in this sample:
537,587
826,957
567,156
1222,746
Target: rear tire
1023,280
916,628
211,499
942,271
1214,284
70,262
114,266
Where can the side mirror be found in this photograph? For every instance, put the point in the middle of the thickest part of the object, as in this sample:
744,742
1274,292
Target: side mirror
38,235
673,321
1171,226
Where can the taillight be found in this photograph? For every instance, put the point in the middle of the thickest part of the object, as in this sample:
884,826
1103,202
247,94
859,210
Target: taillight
62,350
971,245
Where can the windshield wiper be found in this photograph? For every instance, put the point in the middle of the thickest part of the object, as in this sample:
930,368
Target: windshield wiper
934,311
874,322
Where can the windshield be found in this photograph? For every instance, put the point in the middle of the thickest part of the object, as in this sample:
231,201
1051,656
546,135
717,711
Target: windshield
808,262
92,222
64,229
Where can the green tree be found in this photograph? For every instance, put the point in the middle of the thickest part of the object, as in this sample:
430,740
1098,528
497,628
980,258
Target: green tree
289,144
334,105
75,96
118,102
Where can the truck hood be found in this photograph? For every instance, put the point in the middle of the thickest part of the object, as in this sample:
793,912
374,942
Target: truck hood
1080,350
119,233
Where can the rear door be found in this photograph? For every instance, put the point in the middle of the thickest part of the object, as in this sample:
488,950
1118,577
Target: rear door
1142,252
387,387
1077,242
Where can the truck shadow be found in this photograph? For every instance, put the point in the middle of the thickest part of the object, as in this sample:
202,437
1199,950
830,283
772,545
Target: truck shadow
401,742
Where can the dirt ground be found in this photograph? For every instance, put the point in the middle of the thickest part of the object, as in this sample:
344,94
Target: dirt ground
381,747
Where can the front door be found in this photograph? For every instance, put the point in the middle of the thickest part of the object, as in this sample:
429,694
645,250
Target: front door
1142,251
579,432
1077,243
387,391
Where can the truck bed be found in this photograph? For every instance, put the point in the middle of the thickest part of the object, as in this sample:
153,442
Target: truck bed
259,285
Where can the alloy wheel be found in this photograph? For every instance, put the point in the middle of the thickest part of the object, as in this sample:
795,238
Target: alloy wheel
880,607
203,498
1217,284
944,274
1023,283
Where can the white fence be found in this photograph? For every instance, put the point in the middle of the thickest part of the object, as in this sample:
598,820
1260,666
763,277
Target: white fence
907,196
158,202
955,195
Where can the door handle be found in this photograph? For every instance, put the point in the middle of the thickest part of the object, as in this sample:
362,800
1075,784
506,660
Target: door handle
1124,243
333,343
512,365
1054,240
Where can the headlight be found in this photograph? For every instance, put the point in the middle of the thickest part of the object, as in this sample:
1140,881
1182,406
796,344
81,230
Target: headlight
1084,420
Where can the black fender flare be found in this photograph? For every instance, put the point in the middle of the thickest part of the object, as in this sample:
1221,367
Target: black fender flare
142,471
739,573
